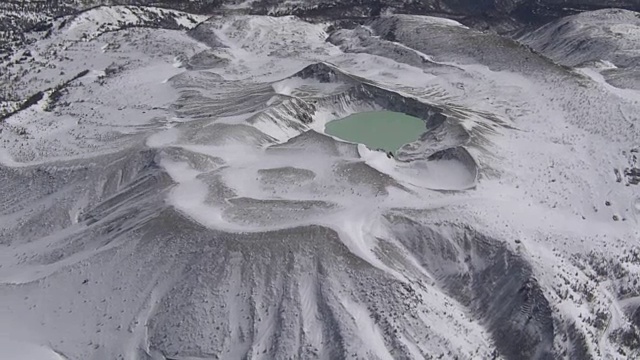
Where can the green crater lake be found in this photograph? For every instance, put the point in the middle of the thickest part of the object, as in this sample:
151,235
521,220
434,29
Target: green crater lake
378,129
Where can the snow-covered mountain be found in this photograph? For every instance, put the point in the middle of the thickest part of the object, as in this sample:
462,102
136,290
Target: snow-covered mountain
168,191
466,10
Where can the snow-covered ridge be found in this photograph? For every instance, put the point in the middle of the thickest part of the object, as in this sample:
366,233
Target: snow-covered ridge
611,35
96,21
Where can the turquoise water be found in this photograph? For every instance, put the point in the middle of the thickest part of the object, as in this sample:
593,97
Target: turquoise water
378,129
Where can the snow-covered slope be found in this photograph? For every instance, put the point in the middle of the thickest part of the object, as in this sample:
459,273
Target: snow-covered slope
96,21
609,35
169,193
603,42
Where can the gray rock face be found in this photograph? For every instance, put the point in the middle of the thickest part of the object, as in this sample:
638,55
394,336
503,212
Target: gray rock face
479,272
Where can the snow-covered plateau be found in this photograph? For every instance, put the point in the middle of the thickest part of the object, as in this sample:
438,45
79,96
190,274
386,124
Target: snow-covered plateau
167,190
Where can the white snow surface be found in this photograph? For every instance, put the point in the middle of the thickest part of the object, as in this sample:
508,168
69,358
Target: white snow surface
241,162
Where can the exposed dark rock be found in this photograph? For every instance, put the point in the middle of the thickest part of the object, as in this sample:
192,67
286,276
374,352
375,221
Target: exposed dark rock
635,317
499,286
633,175
206,60
579,348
